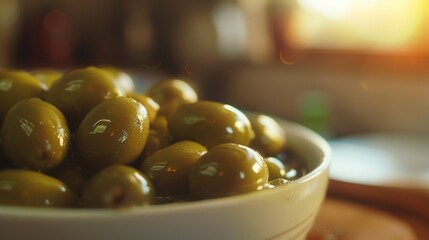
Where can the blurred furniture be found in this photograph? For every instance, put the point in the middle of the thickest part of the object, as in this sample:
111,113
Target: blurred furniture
8,19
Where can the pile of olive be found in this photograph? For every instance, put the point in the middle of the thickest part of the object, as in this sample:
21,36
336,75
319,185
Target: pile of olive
86,139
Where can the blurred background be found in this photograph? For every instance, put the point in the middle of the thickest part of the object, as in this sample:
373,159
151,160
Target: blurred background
340,67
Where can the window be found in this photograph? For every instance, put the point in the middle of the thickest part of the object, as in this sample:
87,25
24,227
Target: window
376,26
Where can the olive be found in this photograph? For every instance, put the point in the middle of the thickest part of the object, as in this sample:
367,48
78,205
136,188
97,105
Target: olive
118,186
35,135
151,106
270,137
47,76
160,124
121,78
276,168
113,132
78,91
155,141
295,167
227,169
71,173
171,94
16,86
169,168
210,123
28,188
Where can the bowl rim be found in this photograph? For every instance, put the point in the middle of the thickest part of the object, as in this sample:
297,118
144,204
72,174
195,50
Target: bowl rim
70,213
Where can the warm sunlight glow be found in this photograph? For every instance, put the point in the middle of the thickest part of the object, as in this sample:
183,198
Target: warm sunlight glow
332,9
383,25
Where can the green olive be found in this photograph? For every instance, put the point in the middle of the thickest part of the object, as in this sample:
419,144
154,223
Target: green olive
71,173
270,137
122,79
118,186
210,123
171,94
35,135
113,132
277,168
29,188
155,141
227,169
47,76
160,124
294,165
169,168
78,91
16,86
151,106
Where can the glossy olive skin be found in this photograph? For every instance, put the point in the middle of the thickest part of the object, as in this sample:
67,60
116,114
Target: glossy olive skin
46,76
155,142
113,132
118,186
121,78
16,86
35,135
227,169
169,168
270,137
276,168
294,165
151,106
29,188
160,124
210,123
78,91
171,94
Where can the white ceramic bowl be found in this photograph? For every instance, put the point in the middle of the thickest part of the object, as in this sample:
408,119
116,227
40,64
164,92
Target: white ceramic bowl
283,212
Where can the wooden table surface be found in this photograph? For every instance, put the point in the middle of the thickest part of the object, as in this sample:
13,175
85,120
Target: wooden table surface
354,212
